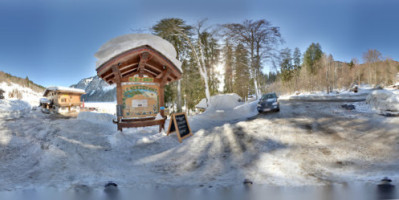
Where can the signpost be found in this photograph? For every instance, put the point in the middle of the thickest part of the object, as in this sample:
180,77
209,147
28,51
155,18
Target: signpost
179,123
140,71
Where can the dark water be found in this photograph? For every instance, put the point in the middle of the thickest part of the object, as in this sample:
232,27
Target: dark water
333,192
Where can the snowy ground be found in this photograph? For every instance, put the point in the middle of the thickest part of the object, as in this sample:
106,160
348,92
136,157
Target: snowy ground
305,144
341,95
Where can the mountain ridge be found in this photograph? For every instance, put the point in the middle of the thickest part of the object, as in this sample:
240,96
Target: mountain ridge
97,90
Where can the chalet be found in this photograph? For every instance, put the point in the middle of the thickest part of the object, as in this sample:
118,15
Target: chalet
63,99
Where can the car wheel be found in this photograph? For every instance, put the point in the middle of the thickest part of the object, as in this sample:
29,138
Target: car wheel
278,110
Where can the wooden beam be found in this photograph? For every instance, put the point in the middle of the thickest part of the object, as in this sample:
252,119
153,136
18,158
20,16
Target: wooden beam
144,57
128,71
153,67
161,74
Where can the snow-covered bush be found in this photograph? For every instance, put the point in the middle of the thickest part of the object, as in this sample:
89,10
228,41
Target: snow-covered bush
383,101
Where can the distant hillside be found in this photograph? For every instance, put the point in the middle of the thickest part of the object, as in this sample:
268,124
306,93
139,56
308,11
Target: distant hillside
23,82
12,87
96,89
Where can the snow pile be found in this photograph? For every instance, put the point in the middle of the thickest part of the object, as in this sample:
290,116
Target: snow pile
12,109
98,118
383,101
224,108
124,43
341,95
221,102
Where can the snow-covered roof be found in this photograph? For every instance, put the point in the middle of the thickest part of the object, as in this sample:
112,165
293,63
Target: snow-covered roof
64,89
124,43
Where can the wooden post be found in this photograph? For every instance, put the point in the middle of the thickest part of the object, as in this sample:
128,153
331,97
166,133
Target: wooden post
119,98
164,77
144,57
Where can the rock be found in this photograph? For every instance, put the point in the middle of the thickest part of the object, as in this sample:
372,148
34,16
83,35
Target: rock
111,188
387,114
386,180
248,182
348,106
385,189
354,89
378,87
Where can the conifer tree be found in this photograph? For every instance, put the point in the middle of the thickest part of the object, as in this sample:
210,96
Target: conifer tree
228,67
167,29
241,77
311,58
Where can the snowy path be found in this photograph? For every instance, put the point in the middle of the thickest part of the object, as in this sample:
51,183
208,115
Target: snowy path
305,144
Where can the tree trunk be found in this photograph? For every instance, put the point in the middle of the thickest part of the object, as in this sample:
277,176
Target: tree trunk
179,96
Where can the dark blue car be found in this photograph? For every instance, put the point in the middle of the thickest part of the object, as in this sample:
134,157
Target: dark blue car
268,102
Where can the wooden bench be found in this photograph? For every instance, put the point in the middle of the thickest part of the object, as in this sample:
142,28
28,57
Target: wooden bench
133,123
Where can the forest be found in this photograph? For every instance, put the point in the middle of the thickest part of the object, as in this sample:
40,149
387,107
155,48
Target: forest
249,58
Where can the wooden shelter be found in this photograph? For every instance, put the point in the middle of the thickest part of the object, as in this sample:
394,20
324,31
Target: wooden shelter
140,65
63,99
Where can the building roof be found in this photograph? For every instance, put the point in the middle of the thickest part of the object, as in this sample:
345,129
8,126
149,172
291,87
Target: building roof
63,90
142,54
127,42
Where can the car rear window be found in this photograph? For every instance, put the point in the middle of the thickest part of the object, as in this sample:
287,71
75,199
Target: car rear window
269,96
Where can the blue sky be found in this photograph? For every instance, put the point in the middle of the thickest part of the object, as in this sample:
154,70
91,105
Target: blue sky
53,42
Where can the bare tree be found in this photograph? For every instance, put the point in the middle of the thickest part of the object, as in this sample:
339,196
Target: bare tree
260,37
371,57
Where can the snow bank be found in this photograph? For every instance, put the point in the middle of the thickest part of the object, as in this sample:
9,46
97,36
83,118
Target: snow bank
124,43
221,102
225,108
99,118
342,95
383,101
12,109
